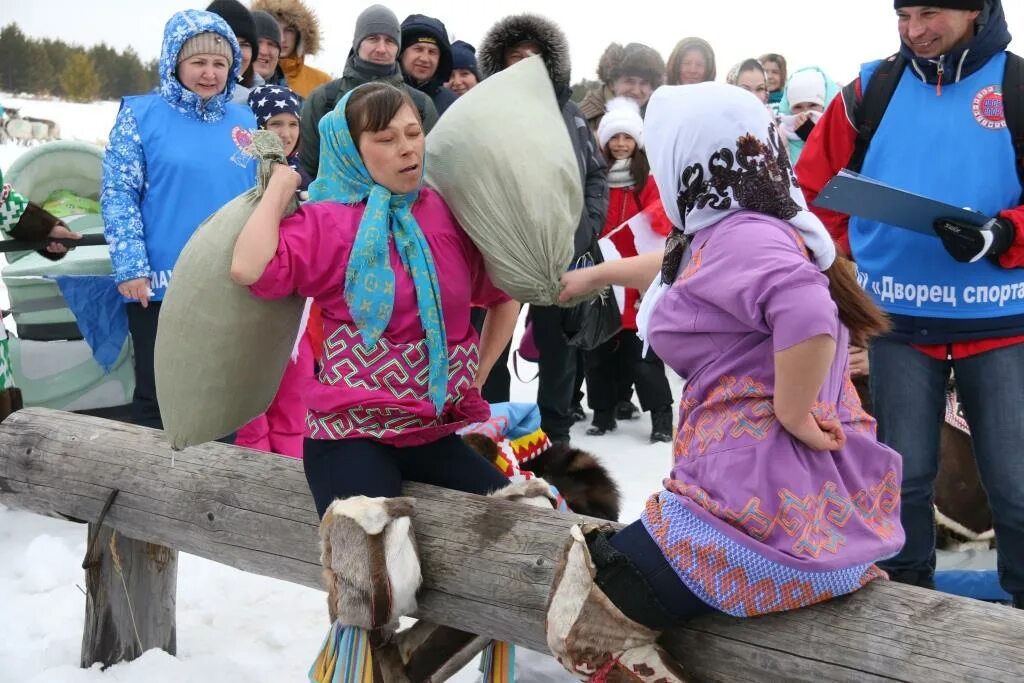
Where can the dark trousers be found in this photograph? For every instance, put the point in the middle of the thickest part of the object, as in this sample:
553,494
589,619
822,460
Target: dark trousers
354,467
671,593
557,371
617,365
577,386
498,385
142,324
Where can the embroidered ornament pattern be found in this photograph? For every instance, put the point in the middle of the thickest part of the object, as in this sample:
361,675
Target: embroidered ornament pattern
814,521
734,409
732,578
400,370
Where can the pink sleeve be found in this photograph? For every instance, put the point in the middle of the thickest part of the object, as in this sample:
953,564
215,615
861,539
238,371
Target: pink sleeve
310,260
484,294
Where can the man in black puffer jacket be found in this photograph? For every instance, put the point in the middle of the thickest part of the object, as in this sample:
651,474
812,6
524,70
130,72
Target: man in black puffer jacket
426,59
510,40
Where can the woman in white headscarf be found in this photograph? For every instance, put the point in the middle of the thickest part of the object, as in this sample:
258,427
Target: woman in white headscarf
780,495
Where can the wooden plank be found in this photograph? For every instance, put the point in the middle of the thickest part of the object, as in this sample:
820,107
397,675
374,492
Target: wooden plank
487,564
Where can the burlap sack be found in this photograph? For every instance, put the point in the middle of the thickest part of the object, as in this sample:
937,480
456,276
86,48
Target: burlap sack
502,159
220,351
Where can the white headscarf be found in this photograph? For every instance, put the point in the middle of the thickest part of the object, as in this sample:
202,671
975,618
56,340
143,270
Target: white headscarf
714,150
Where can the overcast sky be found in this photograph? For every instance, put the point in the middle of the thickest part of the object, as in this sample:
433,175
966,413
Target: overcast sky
836,35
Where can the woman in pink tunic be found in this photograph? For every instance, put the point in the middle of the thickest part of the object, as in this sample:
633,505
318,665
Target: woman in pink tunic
780,495
378,407
395,277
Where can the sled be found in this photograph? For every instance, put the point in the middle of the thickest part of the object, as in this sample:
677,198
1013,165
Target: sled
52,363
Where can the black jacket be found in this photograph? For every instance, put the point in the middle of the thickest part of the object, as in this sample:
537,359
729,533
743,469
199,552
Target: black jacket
512,31
416,25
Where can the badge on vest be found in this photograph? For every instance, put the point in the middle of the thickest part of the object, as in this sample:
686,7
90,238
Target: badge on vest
987,108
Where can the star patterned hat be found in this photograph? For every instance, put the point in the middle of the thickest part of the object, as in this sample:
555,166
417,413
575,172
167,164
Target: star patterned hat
267,101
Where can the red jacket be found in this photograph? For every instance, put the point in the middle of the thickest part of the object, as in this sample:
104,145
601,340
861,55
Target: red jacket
828,150
623,204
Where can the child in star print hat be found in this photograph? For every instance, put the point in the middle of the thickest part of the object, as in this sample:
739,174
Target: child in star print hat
277,109
282,427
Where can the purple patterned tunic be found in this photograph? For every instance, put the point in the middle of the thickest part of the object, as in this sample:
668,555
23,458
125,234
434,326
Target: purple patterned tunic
751,519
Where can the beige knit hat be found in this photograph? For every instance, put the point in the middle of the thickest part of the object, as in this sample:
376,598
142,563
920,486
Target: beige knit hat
208,43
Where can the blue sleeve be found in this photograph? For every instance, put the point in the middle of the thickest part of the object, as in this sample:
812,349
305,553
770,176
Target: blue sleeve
124,177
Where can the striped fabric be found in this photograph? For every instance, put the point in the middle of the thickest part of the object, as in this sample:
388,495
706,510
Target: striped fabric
344,657
498,663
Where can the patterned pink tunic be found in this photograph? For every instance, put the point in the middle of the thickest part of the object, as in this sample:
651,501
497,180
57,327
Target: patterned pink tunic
380,392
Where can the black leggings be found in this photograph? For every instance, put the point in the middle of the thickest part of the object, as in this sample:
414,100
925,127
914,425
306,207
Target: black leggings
354,467
636,543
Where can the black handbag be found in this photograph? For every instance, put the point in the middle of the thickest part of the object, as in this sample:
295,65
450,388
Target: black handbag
591,323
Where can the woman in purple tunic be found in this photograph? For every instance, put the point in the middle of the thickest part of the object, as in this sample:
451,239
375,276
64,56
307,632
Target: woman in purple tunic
780,495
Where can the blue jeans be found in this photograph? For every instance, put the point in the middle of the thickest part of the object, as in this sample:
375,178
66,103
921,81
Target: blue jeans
908,393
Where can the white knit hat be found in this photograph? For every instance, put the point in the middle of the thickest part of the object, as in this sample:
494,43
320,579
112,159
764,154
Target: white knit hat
623,116
807,86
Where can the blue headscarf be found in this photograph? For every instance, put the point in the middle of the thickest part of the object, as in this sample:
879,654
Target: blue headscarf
369,279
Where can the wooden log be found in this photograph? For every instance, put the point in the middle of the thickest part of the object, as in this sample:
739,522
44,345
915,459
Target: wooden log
130,598
487,564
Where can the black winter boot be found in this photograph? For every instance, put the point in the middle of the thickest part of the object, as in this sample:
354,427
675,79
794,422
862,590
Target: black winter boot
661,425
1018,601
625,410
604,422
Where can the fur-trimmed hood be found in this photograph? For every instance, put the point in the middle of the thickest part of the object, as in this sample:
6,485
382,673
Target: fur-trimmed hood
179,29
518,28
675,60
295,13
635,59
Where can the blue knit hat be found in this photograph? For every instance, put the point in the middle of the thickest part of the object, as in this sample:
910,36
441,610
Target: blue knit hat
266,101
464,57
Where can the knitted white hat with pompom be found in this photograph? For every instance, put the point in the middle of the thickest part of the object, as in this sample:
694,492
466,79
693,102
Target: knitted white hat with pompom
623,116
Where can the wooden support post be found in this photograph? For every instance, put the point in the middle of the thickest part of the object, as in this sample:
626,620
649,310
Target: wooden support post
130,598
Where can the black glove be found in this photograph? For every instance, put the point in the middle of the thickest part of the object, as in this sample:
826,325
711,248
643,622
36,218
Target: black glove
804,131
968,243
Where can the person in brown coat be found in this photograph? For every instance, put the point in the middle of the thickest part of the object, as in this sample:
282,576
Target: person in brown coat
300,37
692,61
634,71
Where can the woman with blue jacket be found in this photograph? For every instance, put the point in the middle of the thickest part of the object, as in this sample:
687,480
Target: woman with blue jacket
172,161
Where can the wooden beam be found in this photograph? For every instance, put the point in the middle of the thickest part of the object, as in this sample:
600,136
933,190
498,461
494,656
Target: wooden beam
487,564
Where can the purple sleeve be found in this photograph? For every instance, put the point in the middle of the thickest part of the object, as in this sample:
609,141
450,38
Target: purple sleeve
761,275
310,259
797,312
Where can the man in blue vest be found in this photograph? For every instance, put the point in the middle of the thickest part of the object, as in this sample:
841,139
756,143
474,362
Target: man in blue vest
956,299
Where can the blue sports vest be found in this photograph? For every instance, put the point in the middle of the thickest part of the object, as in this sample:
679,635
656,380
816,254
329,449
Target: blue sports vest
193,168
961,154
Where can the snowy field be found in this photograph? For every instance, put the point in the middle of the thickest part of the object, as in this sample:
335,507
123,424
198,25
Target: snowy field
231,626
